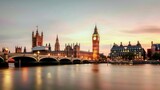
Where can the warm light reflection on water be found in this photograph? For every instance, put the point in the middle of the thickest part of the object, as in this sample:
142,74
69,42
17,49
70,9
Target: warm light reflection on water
82,77
24,74
38,77
7,81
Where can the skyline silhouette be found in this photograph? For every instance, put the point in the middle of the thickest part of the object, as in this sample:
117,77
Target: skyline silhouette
74,21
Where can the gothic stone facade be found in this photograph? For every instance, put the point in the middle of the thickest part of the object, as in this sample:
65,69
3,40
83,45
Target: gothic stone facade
70,50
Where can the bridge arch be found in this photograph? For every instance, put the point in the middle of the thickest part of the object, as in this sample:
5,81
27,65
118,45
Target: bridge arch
32,57
48,61
76,61
65,61
24,60
85,61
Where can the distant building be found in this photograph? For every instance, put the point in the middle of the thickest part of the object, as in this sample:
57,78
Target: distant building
149,53
37,39
57,45
70,50
155,48
117,52
24,50
18,49
95,44
5,50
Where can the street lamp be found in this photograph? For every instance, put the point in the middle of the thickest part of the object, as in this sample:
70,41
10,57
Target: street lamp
49,54
38,52
58,56
82,57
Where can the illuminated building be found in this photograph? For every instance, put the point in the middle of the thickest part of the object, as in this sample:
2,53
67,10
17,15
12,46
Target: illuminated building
95,44
70,50
18,49
117,52
155,48
57,45
37,39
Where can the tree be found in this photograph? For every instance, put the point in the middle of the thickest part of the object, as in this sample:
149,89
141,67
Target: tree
128,56
156,56
102,57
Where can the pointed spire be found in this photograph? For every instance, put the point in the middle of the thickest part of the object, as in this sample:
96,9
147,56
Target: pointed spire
24,50
32,33
49,47
37,31
41,33
57,39
37,27
95,30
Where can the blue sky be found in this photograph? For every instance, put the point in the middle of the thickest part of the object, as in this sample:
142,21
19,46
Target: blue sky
74,21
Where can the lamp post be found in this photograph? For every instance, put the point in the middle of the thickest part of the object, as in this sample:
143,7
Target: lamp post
81,57
49,54
38,55
58,56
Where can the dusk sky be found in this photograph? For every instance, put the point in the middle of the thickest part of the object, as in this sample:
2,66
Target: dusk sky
74,21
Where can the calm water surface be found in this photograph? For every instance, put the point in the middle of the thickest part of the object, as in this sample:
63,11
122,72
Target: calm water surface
82,77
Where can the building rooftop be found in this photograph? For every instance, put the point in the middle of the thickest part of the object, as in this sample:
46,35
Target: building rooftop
39,48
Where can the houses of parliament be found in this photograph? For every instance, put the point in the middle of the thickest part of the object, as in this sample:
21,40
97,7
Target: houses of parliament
70,50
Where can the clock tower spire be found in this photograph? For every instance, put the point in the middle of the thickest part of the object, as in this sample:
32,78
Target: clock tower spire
95,44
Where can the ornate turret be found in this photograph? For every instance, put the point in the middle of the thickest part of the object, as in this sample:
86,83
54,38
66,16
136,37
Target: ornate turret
18,49
32,33
24,51
121,44
138,44
129,43
49,47
151,43
37,31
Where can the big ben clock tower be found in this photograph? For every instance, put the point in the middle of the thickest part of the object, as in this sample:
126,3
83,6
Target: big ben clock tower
95,44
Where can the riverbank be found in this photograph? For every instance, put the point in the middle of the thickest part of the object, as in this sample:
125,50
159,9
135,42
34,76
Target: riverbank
134,62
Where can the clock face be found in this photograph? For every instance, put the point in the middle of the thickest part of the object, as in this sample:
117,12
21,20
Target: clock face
94,38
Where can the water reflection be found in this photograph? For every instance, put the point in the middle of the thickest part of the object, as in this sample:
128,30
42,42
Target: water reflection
95,68
7,81
38,77
82,77
25,75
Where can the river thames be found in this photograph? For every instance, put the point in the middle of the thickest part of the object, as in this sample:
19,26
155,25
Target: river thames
82,77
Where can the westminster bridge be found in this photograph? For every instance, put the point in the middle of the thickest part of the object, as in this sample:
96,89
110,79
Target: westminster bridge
42,59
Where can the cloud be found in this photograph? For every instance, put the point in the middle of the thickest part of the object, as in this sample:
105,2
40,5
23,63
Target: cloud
144,30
